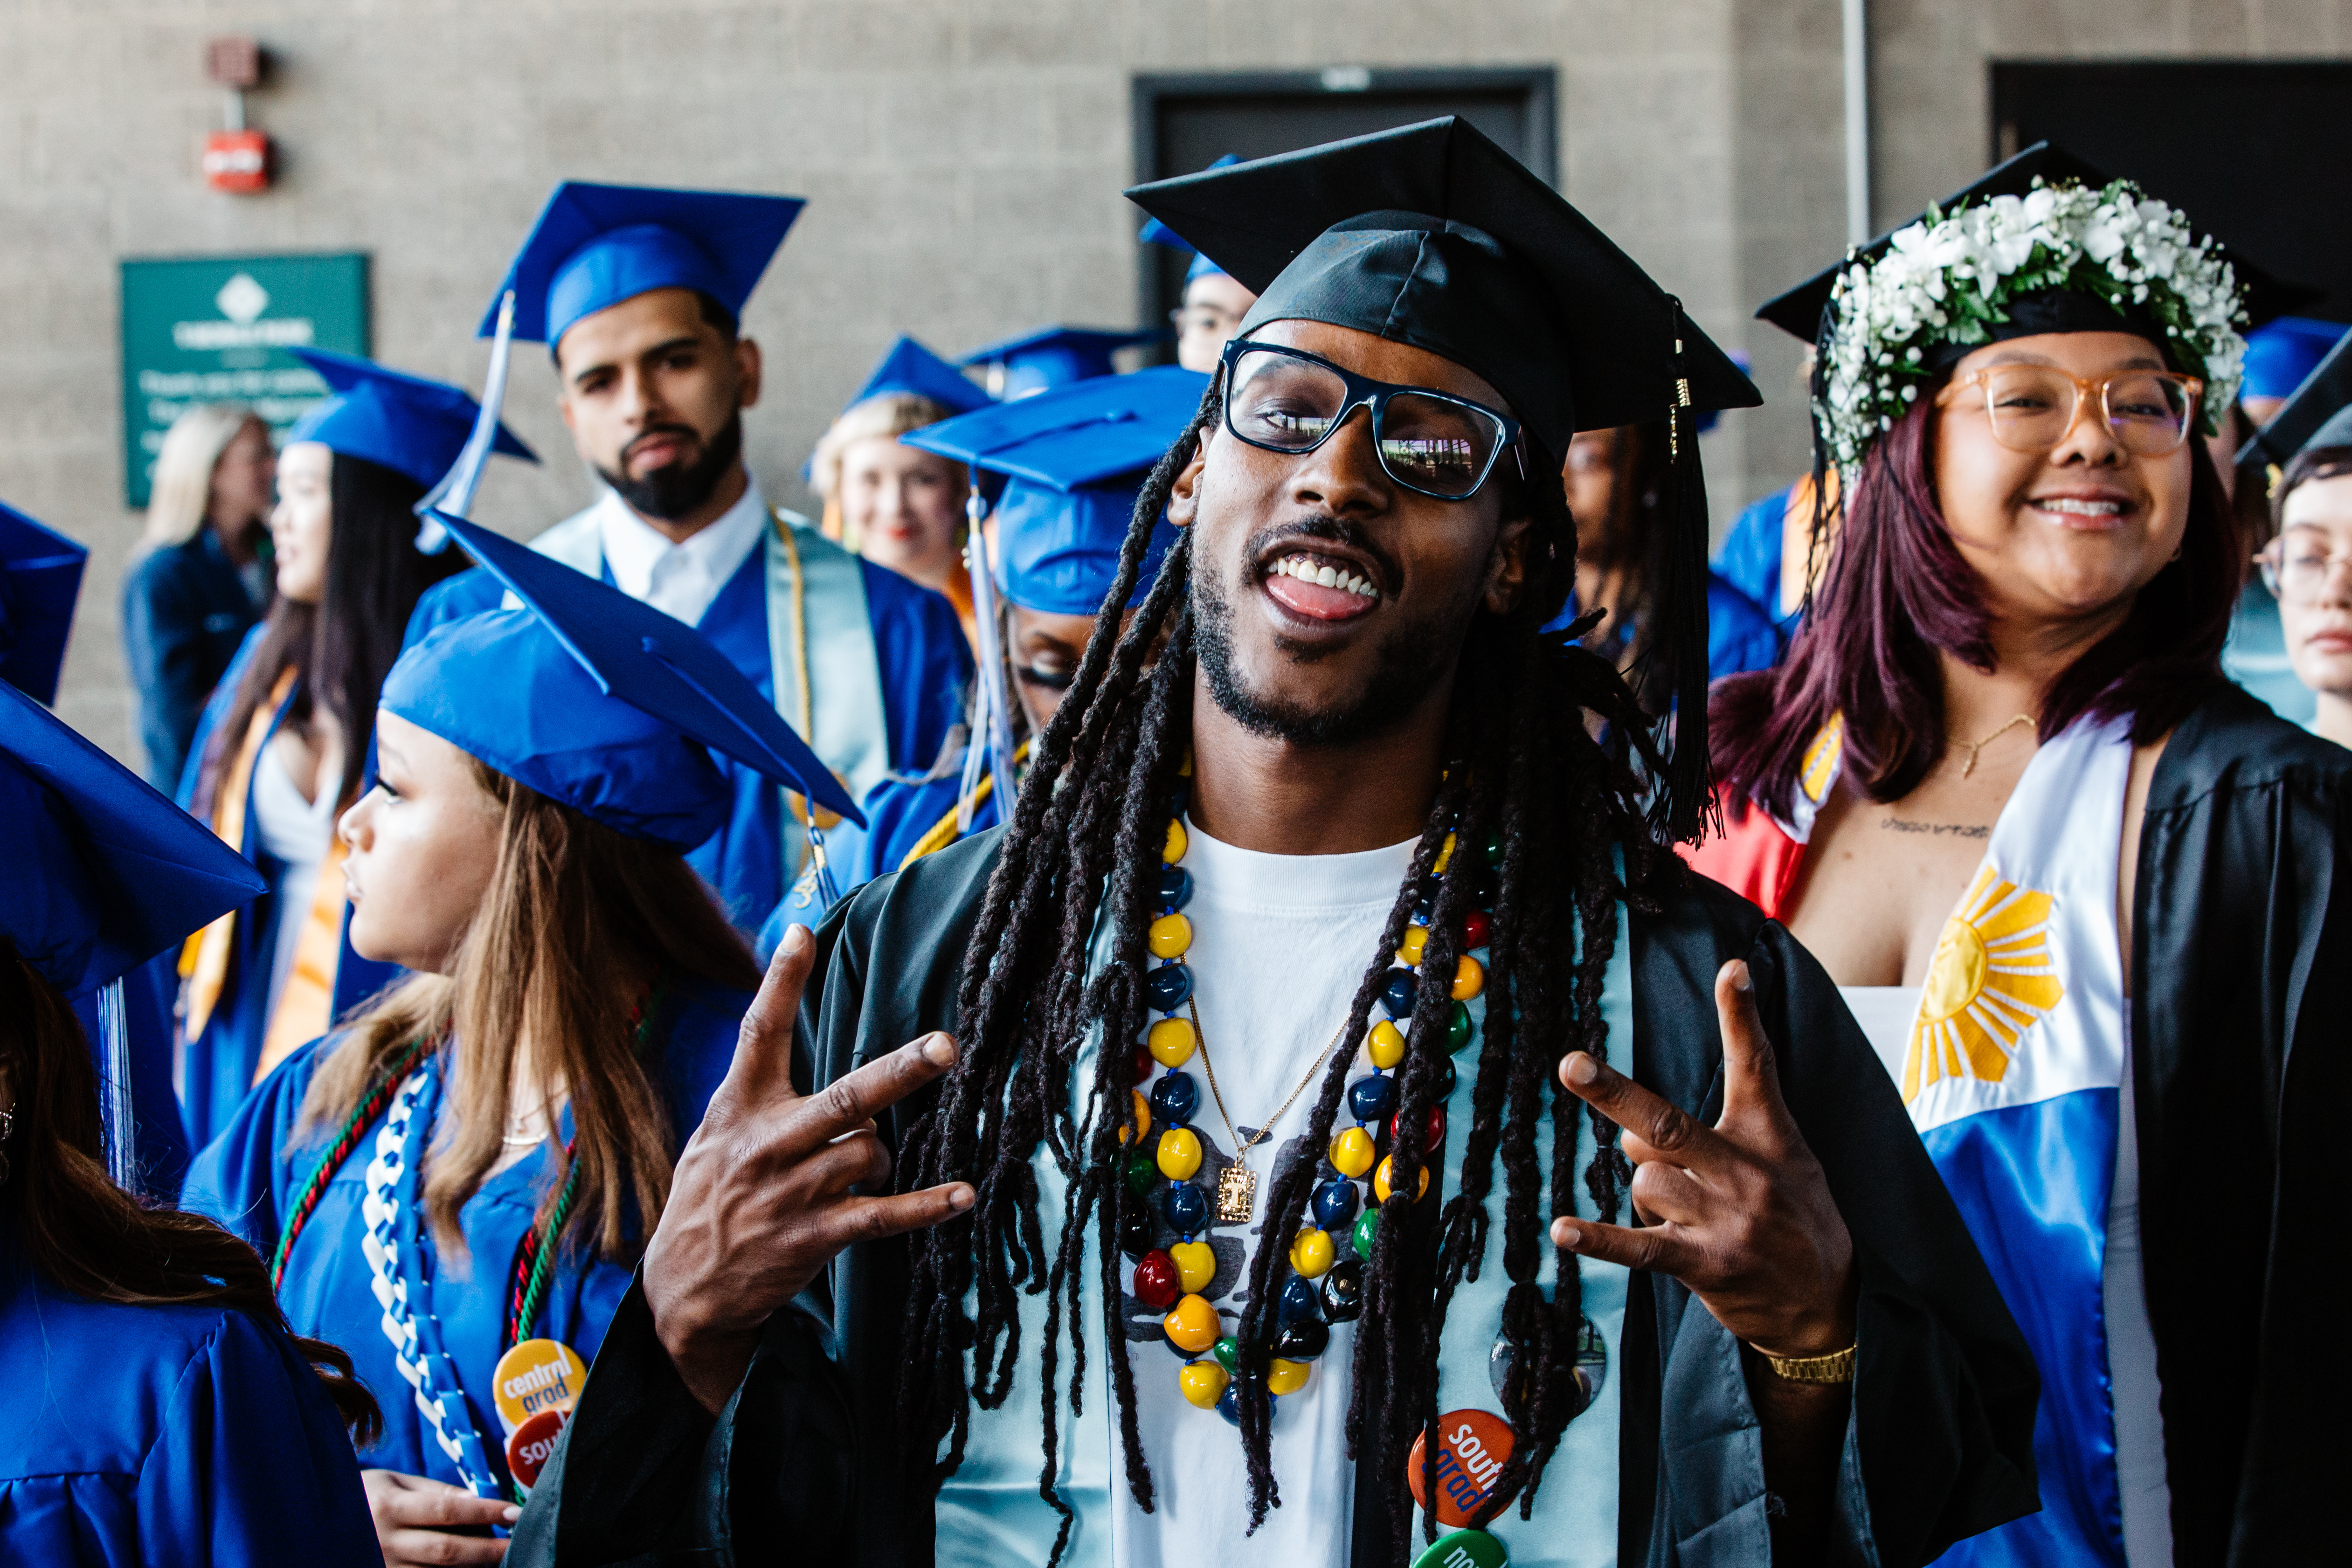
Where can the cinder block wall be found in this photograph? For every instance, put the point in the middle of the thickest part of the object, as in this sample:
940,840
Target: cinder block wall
962,161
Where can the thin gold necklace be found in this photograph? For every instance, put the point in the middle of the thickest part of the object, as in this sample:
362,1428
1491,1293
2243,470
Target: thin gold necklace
1975,746
1237,1183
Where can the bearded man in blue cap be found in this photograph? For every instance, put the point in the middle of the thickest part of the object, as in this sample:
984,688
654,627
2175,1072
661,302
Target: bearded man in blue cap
637,292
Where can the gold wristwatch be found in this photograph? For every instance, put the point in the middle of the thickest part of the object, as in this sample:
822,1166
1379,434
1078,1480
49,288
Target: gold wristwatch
1835,1367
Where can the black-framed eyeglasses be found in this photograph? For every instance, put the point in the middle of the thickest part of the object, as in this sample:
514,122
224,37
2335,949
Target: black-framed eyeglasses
1433,443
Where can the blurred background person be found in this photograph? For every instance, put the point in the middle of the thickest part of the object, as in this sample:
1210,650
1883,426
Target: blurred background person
1214,300
2304,563
202,575
899,505
284,743
158,1412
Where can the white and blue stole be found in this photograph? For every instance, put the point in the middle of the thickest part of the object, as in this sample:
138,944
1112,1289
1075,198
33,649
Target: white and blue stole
989,1511
2012,1073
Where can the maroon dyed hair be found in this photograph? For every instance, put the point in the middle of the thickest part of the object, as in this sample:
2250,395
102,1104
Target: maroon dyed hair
1897,593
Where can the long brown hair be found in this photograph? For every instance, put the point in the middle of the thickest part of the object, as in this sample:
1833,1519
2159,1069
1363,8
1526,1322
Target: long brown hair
579,921
87,1235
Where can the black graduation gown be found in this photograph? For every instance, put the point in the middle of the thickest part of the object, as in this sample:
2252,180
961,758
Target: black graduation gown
2241,987
800,1466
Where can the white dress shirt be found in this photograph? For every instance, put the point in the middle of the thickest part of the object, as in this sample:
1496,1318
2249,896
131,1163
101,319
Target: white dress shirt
678,579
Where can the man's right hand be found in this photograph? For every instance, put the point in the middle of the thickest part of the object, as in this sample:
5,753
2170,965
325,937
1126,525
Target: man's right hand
762,1199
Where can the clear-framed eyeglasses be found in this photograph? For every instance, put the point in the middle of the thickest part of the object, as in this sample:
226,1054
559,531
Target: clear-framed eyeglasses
1430,441
2034,407
2297,566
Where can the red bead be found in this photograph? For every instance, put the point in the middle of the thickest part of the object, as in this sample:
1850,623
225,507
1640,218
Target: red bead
1436,1128
1476,926
1144,1066
1156,1285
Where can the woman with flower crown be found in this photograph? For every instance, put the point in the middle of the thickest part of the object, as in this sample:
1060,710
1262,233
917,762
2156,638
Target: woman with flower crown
2078,889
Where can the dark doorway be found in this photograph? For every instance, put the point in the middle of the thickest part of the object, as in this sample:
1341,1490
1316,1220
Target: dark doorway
2252,150
1187,123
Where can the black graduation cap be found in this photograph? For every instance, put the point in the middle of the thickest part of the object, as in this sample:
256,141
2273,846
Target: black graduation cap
1433,236
1799,311
2318,413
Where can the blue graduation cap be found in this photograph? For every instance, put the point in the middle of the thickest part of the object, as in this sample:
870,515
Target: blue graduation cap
1051,357
2281,353
596,245
408,423
40,576
914,370
1073,459
612,760
1154,232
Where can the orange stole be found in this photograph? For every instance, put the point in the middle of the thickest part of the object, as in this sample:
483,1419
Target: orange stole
305,1004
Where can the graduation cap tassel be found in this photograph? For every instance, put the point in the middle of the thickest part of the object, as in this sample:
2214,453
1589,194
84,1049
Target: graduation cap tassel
1681,807
997,720
456,491
122,1142
828,887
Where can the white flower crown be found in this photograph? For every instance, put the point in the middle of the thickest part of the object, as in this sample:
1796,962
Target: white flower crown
1943,279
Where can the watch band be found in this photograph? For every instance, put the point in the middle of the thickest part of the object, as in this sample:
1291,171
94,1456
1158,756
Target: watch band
1835,1367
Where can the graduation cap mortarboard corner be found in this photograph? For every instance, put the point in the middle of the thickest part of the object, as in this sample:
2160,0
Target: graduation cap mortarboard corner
913,370
1050,357
2318,413
408,423
2280,355
40,578
1432,234
655,663
596,245
1797,312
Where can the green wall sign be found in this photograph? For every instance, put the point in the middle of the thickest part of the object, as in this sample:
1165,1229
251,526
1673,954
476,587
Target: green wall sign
216,329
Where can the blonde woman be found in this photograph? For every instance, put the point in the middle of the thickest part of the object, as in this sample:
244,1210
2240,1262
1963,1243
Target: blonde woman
199,582
897,506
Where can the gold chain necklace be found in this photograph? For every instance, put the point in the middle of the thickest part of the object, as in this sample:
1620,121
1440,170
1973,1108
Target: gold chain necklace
1237,1183
1975,746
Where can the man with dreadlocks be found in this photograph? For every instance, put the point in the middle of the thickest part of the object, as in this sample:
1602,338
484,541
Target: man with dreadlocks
1345,835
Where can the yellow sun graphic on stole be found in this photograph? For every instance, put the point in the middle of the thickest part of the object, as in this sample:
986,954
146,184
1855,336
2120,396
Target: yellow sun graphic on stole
1991,980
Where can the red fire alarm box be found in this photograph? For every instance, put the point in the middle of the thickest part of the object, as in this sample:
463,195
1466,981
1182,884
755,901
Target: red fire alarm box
237,161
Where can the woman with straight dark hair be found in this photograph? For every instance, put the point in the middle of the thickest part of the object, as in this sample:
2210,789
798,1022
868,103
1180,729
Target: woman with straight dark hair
284,743
2078,889
157,1412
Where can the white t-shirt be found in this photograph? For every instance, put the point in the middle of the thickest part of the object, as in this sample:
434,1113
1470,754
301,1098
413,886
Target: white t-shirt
1279,945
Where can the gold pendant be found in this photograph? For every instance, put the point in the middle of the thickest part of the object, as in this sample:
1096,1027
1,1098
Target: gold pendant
1236,1194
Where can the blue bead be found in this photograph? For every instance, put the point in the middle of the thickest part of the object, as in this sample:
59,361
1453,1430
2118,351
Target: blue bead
1397,992
1446,1087
1229,1406
1298,1300
1174,1098
1175,887
1335,1203
1185,1207
1169,987
1369,1099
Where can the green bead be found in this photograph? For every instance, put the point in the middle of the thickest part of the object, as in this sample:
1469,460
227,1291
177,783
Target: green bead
1457,1027
1368,1225
1142,1172
1493,849
1228,1352
1464,1549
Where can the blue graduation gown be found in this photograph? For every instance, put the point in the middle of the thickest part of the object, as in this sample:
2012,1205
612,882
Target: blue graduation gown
249,1178
1750,559
165,1437
925,666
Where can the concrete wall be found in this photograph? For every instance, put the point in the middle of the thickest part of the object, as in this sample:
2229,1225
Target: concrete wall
962,161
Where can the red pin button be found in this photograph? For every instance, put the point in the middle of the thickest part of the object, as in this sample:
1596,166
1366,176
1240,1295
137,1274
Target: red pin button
1472,1445
532,1442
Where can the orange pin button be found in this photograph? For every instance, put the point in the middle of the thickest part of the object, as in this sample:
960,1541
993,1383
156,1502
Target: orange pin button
1472,1445
533,1441
536,1377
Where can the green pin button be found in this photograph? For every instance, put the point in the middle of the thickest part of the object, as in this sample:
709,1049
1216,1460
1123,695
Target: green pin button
1464,1549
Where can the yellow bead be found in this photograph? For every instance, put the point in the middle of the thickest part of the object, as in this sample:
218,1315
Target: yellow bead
1169,936
1193,1326
1170,1041
1416,942
1380,1182
1351,1152
1143,1116
1173,850
1286,1376
1205,1383
1184,769
1444,854
1179,1154
1469,979
1387,1045
1196,1265
1310,1254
